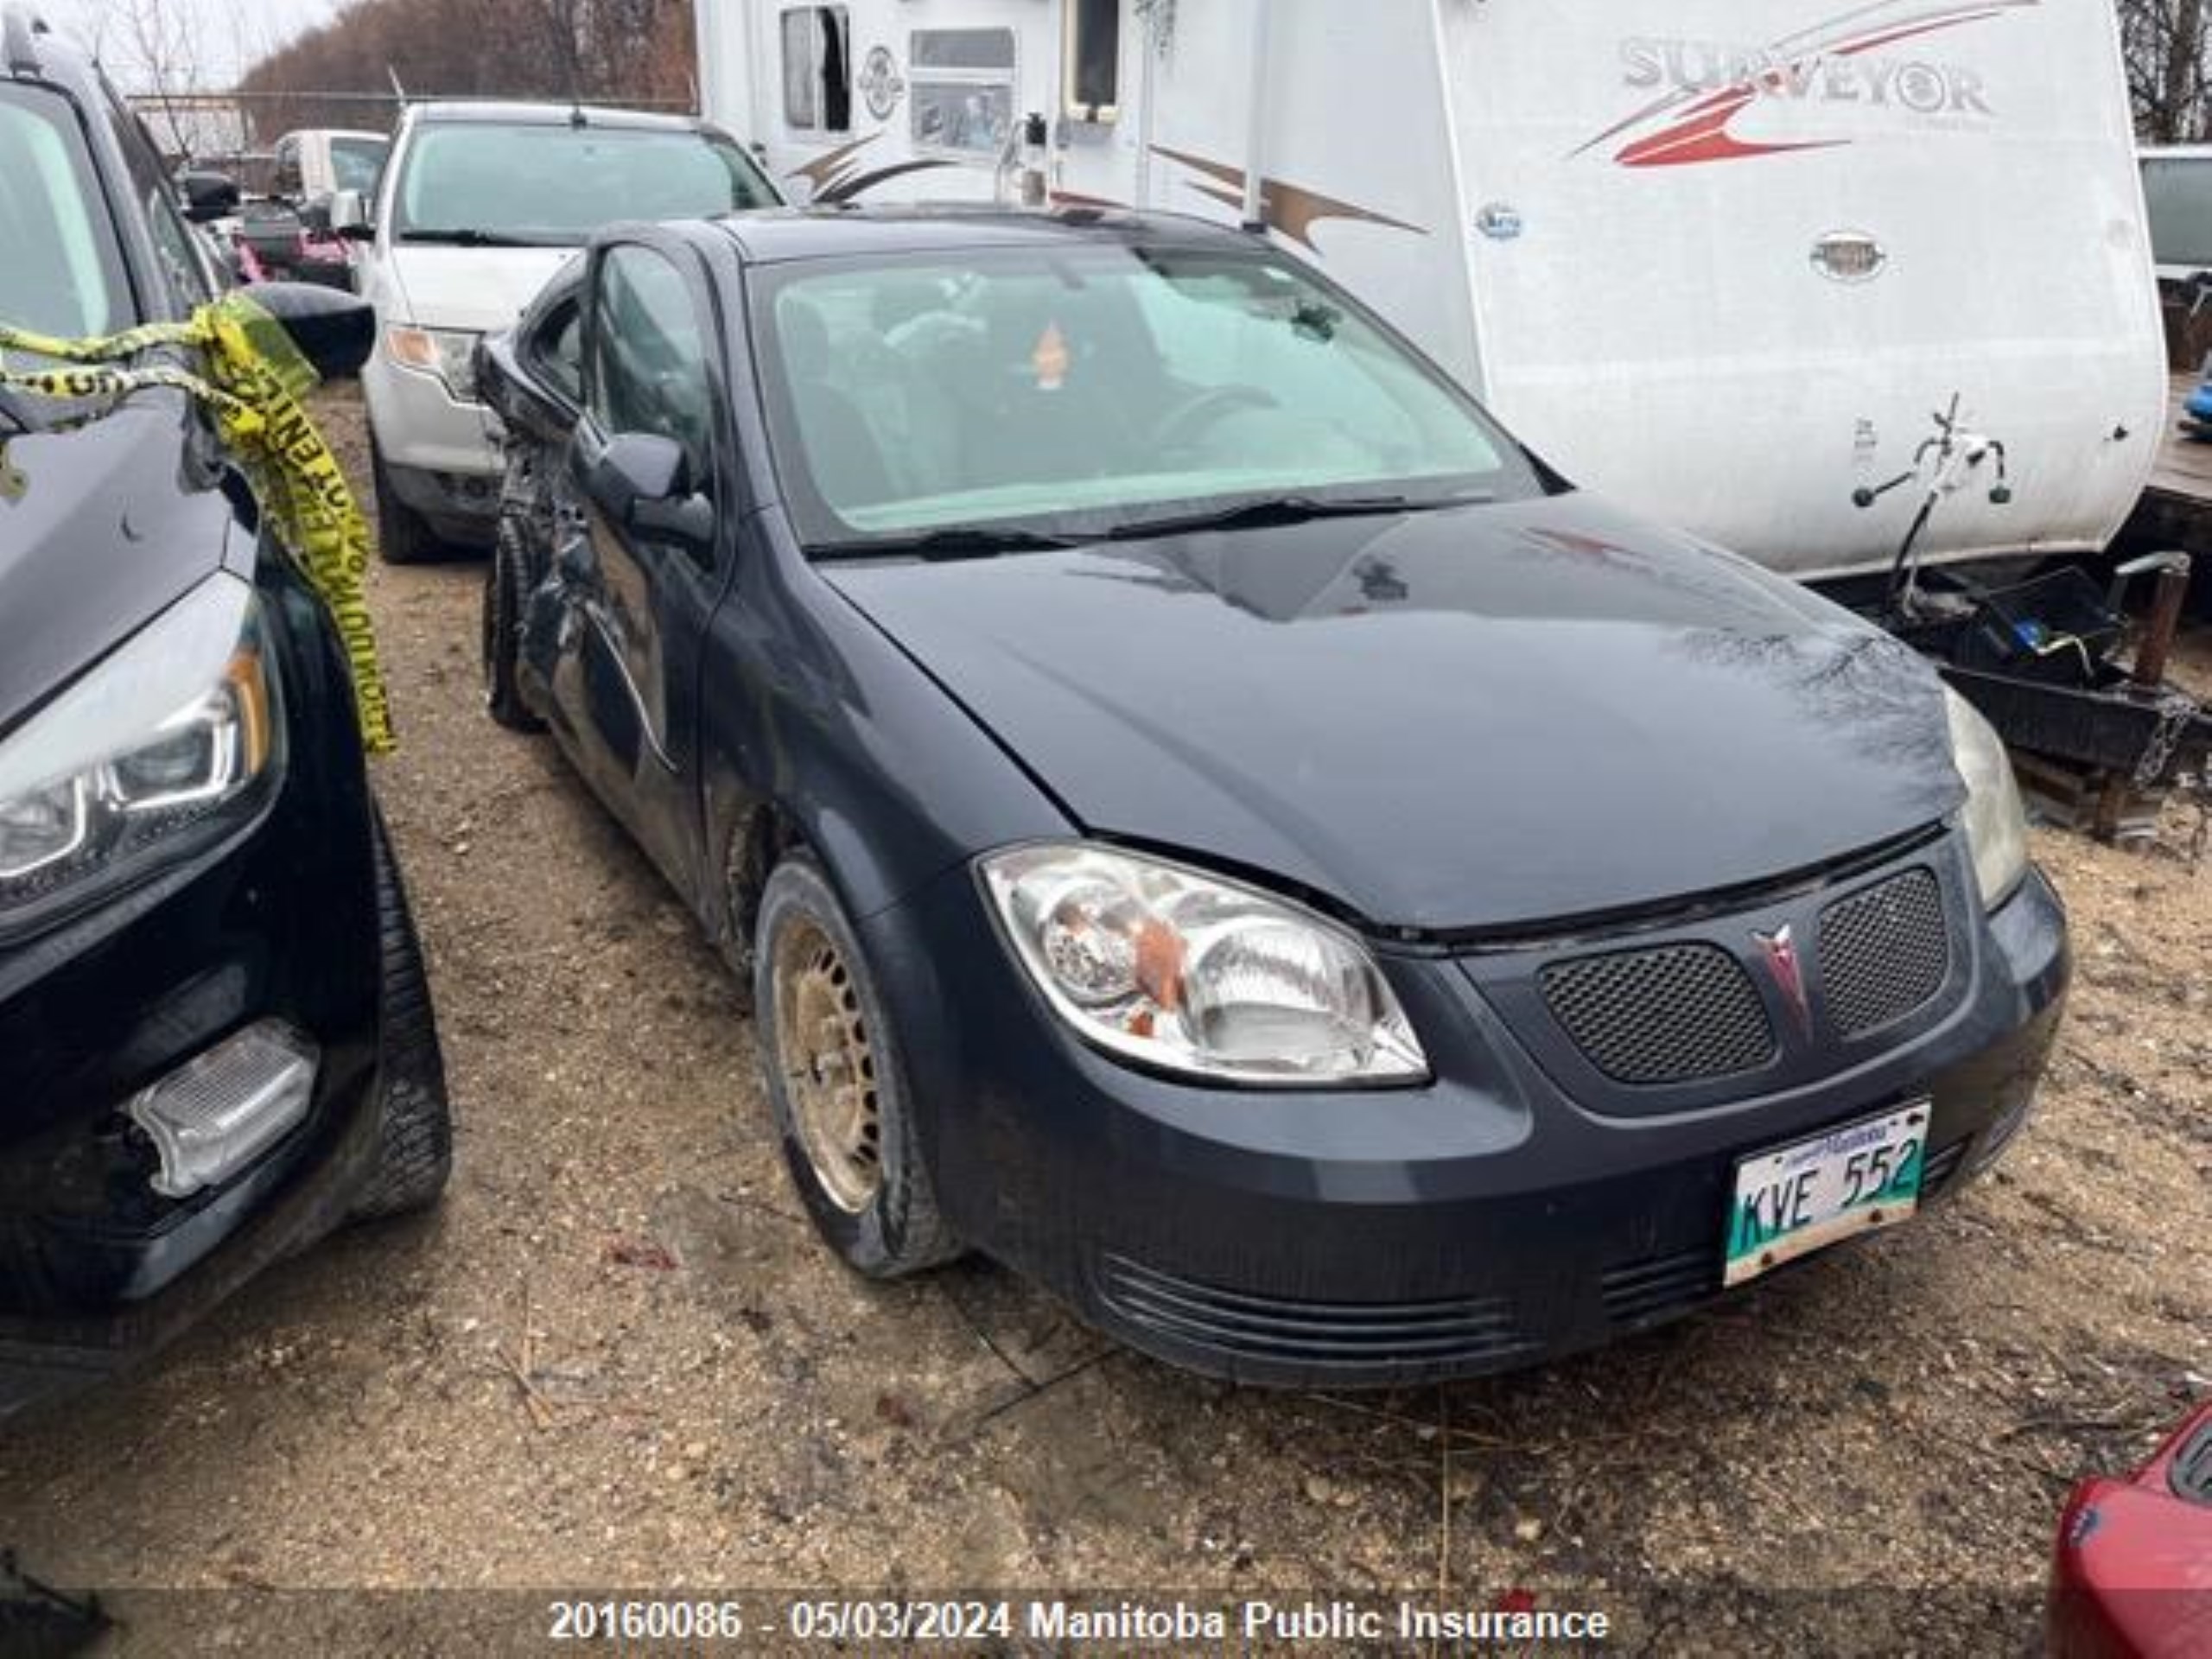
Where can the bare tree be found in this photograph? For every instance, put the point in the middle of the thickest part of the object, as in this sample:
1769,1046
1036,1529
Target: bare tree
152,44
2165,46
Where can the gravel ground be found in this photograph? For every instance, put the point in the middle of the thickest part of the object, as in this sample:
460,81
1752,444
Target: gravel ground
711,1401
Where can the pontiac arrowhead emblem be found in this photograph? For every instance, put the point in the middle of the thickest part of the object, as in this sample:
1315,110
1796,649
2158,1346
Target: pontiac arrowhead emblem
1779,949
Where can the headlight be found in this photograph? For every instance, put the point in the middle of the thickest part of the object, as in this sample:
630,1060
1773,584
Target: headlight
1997,825
449,354
167,741
1192,974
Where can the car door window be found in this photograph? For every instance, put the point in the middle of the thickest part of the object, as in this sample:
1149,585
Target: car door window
173,241
649,363
554,349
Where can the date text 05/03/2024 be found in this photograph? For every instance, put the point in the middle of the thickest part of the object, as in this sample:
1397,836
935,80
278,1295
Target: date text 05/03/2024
864,1620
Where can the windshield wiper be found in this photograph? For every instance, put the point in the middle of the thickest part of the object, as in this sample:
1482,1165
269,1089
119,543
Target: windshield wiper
464,237
953,541
1271,510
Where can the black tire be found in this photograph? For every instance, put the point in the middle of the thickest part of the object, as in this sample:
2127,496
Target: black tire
402,536
897,1229
415,1156
506,592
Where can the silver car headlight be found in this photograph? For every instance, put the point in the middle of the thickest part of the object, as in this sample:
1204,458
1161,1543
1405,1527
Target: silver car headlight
1190,973
449,354
1996,823
173,739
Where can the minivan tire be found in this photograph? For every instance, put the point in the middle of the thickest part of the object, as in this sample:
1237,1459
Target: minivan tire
402,536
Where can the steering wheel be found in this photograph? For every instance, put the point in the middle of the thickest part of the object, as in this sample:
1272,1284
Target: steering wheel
1182,424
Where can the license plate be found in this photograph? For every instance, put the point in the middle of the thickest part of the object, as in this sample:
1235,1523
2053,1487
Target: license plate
1801,1198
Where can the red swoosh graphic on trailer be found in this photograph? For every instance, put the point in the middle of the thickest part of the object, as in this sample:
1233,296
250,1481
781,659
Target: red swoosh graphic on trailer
1701,133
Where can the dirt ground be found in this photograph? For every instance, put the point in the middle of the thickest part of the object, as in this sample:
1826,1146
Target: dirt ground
712,1400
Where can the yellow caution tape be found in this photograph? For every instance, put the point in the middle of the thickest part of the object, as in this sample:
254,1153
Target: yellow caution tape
255,377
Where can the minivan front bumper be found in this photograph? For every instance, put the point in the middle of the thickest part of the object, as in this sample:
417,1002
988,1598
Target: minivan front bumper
1490,1219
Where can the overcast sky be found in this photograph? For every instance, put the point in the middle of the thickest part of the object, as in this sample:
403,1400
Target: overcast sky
219,37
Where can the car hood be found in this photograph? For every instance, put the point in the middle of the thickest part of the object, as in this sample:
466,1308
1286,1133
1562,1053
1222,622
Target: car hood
1488,717
102,527
476,288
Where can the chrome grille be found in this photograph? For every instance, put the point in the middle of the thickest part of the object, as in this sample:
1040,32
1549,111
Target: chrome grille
1885,952
1675,1014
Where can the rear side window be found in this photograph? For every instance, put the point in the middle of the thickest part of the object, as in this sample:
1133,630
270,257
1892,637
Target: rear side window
555,349
818,69
61,270
355,162
649,364
287,181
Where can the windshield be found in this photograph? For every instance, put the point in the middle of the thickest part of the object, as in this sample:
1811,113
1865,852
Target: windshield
472,179
355,162
1079,392
2178,191
61,272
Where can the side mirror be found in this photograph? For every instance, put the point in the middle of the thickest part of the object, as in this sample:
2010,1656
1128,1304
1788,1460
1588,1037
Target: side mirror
208,195
334,330
349,216
642,481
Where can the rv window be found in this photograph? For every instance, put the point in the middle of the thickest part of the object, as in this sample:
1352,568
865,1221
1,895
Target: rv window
818,69
1094,59
2178,191
963,89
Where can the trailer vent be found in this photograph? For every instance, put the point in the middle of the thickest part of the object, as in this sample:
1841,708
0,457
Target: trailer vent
1678,1014
1885,952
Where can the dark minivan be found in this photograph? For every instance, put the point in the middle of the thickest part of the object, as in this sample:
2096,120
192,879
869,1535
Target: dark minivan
216,1038
1212,822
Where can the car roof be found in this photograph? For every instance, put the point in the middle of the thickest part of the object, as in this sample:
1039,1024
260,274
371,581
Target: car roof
775,235
501,112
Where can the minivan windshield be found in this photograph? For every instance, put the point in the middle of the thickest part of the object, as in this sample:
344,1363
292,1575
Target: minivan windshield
61,270
1089,390
355,162
552,186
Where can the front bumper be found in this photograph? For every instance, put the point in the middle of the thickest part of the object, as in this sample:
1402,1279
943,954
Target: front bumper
277,923
441,457
1487,1220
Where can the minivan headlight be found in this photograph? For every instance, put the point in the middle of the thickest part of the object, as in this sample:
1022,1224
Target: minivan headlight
449,354
1996,823
171,739
1192,974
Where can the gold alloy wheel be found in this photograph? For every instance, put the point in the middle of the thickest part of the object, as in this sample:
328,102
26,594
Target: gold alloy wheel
828,1066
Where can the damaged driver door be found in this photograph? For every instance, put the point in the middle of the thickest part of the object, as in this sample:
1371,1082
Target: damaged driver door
644,574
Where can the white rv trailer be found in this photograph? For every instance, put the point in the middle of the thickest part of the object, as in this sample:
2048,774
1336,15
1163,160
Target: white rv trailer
1724,260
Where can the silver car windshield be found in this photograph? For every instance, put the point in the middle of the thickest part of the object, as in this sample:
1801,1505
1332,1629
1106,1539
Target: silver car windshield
479,180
